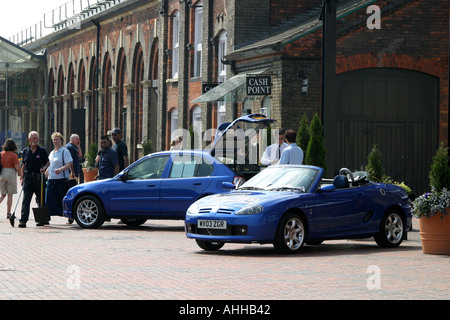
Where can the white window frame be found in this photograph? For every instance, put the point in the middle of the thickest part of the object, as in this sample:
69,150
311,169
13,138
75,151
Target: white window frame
173,123
175,44
198,40
221,54
222,72
197,126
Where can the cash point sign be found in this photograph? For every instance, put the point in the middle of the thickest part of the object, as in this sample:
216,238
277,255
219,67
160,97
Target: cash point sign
259,85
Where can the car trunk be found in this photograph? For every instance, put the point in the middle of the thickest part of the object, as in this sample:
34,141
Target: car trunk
240,144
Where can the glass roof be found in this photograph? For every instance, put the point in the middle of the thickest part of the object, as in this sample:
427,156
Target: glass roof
14,59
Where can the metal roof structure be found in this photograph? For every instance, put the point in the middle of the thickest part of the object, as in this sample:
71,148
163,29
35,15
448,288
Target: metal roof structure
15,59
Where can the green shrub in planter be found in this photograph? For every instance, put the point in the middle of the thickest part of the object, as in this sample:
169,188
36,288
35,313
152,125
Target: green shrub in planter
316,152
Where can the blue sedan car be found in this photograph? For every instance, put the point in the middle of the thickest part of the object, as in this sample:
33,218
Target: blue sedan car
292,205
164,184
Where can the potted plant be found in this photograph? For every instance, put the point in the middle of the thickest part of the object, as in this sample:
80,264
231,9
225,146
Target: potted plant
90,171
433,208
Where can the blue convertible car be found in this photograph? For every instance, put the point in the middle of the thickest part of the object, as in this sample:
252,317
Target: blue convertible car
292,205
164,184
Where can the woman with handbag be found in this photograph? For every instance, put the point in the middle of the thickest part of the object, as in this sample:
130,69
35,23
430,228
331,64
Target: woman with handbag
57,173
8,173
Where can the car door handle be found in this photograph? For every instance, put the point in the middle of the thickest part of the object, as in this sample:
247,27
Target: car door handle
151,185
197,183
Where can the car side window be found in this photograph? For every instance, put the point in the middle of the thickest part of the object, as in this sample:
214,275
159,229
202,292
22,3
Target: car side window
151,168
188,166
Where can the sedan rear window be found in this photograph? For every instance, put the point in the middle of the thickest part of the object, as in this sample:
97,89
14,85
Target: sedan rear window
190,166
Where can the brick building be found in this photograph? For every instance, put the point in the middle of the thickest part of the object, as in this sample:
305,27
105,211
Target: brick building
142,65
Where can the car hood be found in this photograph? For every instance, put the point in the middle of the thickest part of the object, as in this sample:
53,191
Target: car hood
238,199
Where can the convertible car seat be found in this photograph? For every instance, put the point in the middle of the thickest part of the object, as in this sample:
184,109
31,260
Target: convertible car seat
341,182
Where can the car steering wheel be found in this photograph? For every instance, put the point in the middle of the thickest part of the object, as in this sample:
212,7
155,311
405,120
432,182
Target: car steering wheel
343,170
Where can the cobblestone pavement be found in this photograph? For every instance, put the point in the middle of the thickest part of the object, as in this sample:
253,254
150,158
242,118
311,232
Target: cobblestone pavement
156,261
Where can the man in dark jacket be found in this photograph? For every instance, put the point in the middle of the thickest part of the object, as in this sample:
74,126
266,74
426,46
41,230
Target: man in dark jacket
34,163
108,165
121,148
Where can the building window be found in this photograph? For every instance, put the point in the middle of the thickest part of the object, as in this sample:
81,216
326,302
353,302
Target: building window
266,107
222,75
173,124
175,43
247,106
221,113
197,127
222,53
198,40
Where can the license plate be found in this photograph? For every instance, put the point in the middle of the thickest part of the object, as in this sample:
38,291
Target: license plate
212,224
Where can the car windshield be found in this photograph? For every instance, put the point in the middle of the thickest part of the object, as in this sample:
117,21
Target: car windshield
282,178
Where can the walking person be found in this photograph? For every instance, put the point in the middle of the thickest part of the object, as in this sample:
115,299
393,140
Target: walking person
8,174
272,154
108,165
75,151
121,148
57,172
34,162
293,154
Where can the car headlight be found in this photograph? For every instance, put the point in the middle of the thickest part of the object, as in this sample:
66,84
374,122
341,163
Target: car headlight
250,209
193,209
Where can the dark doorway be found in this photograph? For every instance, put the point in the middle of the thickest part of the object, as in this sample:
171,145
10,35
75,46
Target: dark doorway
395,109
77,126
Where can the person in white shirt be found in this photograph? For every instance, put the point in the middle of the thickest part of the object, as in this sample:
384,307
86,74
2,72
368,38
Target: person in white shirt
273,152
292,154
57,172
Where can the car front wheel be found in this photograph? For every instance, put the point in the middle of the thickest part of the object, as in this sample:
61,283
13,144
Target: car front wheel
89,213
290,234
392,230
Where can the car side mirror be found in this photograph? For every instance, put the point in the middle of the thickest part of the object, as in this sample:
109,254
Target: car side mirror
228,185
123,176
328,188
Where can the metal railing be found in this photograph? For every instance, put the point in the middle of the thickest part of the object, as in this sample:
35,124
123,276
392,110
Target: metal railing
68,15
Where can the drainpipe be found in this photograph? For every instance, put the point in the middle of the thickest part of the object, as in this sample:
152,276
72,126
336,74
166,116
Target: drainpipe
96,76
329,92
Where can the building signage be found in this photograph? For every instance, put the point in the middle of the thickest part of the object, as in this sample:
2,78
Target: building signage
259,85
206,86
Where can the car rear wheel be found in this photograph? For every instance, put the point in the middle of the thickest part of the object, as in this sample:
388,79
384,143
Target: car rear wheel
290,234
89,212
392,230
210,245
